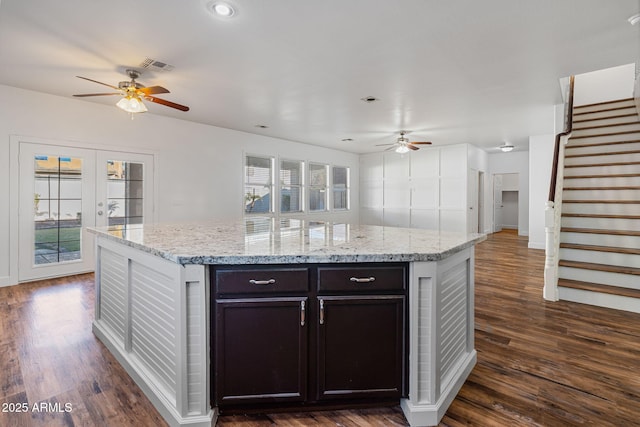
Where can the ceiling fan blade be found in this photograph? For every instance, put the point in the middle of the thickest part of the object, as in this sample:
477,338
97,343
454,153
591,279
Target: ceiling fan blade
382,145
412,147
98,94
422,142
390,148
167,103
100,83
153,90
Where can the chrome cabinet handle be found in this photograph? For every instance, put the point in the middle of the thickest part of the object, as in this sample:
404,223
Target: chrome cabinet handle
322,312
262,282
363,279
302,313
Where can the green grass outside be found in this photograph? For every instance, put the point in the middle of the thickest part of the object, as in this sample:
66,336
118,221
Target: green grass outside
69,238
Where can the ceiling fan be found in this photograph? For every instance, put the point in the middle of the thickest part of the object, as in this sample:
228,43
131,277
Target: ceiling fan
132,94
403,145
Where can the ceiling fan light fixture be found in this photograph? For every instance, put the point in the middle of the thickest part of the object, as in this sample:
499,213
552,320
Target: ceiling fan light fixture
402,149
633,20
132,104
506,147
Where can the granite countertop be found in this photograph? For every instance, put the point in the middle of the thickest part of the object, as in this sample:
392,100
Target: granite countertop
265,241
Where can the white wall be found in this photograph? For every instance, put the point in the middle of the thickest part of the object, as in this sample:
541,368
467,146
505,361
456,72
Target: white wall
604,85
200,167
540,161
514,162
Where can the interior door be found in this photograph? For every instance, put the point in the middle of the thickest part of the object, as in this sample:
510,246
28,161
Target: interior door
497,203
57,200
472,200
63,190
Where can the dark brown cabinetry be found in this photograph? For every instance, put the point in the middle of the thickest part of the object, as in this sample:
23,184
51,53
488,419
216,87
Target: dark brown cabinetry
292,336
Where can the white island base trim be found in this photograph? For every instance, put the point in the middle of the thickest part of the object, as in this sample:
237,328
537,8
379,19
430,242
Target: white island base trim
153,316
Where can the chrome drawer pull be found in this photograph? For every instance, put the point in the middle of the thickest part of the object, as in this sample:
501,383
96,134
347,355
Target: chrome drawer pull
262,282
302,311
363,279
322,312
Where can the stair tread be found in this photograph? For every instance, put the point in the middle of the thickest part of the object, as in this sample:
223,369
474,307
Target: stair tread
615,175
620,202
600,267
598,144
626,132
588,215
605,153
598,287
617,116
601,188
615,101
608,125
599,248
587,165
599,231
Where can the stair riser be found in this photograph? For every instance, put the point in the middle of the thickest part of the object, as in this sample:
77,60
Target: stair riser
602,170
610,158
601,223
601,195
622,181
608,138
601,149
635,126
604,121
609,258
603,114
632,242
602,277
601,208
608,106
616,302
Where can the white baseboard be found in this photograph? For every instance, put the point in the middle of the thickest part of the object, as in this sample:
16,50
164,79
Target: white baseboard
536,245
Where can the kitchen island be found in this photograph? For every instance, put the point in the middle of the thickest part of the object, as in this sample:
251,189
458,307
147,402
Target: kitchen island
363,314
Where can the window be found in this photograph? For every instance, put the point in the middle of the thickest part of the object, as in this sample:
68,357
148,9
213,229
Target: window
258,185
340,188
318,177
124,192
291,172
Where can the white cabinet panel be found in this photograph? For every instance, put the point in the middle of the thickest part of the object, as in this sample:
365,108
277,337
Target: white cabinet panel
425,218
397,217
453,193
371,195
396,167
371,216
425,164
453,220
425,195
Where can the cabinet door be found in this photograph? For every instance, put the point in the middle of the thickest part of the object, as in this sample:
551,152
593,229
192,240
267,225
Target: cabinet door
360,346
260,350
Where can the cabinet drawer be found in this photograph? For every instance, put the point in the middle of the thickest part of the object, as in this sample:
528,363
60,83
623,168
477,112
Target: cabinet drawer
362,278
261,280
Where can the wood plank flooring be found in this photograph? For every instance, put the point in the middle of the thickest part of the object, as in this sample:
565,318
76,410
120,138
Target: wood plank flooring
539,363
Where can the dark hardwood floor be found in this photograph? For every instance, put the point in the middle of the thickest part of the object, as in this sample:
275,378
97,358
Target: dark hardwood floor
539,363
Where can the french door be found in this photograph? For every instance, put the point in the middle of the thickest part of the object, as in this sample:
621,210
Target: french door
62,191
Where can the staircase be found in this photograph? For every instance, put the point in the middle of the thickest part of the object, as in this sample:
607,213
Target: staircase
599,255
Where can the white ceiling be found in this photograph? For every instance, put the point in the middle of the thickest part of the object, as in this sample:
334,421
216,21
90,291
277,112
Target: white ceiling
454,71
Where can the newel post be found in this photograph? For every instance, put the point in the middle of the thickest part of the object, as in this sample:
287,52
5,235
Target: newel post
550,291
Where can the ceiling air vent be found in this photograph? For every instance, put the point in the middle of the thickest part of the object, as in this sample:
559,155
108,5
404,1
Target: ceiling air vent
153,65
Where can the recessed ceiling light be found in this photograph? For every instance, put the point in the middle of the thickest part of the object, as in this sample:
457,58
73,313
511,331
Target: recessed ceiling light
369,99
347,139
634,19
222,9
262,126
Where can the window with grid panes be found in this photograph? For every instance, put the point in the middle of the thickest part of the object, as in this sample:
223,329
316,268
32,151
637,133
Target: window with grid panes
340,185
291,186
318,183
258,185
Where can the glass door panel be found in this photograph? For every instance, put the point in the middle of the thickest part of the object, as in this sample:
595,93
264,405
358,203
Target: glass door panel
125,189
56,202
